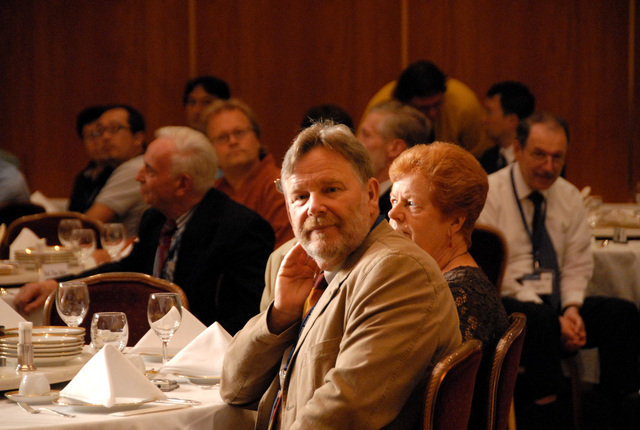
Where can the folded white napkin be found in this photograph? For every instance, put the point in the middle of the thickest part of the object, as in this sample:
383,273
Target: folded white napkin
203,356
9,318
40,199
190,328
109,375
25,239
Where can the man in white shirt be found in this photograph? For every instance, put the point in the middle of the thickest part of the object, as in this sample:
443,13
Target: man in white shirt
506,104
389,128
557,327
121,129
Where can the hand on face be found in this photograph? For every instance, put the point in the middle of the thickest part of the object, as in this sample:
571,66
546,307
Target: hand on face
293,284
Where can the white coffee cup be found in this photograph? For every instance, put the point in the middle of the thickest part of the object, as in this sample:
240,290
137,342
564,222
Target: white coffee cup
34,384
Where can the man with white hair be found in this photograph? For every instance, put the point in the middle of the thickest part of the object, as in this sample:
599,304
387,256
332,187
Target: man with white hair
193,235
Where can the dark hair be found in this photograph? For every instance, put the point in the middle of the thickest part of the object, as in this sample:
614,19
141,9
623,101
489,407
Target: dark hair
136,120
524,126
87,116
212,85
515,98
326,111
420,79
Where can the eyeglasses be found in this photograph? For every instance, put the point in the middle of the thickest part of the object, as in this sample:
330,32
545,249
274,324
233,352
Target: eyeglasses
541,157
111,129
279,187
226,137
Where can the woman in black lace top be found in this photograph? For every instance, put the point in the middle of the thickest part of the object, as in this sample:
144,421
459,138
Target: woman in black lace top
438,193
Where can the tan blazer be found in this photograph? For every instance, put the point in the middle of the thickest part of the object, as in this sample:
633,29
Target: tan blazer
383,321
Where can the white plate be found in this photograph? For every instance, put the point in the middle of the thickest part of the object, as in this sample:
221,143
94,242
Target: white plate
46,361
50,330
122,404
33,400
201,380
37,354
40,341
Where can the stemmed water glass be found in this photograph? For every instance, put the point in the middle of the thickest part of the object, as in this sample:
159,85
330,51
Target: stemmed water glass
164,313
109,328
83,242
113,238
65,227
72,302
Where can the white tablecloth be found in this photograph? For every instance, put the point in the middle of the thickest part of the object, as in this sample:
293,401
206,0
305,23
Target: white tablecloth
213,413
617,270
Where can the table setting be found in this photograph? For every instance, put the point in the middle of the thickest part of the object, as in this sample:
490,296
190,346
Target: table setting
108,382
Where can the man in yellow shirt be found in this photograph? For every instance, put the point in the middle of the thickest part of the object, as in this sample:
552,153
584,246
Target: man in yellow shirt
451,106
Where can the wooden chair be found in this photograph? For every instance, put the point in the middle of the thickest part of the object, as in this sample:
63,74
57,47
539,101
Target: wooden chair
450,388
489,249
9,212
45,225
504,372
118,292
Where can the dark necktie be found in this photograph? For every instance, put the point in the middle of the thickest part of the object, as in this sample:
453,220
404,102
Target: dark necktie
543,252
164,244
318,288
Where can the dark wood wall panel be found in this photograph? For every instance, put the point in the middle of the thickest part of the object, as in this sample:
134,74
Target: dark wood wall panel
284,59
58,56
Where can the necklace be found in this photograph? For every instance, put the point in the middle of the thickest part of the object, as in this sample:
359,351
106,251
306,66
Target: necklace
449,262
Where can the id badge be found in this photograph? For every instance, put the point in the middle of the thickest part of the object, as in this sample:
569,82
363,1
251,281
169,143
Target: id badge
541,281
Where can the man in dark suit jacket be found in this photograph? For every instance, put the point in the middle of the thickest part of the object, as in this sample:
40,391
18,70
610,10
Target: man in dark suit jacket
218,249
389,128
506,104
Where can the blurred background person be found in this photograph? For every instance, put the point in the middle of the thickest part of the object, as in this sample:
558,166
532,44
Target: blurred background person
325,112
199,93
13,186
92,178
438,193
389,128
249,171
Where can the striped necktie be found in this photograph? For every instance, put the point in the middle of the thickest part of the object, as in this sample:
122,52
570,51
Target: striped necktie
543,252
164,244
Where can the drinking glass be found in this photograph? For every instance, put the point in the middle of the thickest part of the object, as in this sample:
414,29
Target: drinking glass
164,313
65,227
112,238
109,328
72,302
594,210
83,242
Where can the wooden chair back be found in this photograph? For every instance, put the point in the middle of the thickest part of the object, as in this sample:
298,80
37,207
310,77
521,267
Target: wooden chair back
126,292
504,372
450,388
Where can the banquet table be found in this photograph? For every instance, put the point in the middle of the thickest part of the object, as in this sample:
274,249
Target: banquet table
616,270
212,413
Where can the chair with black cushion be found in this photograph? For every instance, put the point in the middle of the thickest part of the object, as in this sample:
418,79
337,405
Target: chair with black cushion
504,372
45,225
489,249
126,292
9,212
449,390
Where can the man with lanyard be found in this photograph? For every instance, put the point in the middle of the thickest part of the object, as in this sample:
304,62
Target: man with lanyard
383,316
214,248
549,265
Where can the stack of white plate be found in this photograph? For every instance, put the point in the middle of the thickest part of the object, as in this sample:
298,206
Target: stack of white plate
52,254
51,345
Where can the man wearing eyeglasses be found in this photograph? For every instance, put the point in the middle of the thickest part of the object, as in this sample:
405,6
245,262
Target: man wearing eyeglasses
249,172
549,264
121,129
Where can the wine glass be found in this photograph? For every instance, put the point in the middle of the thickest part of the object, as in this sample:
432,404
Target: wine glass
164,313
112,238
594,210
65,227
109,328
83,242
72,302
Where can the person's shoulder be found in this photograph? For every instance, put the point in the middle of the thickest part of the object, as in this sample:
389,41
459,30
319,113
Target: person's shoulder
218,204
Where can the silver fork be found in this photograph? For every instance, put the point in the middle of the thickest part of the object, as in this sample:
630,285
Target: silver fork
31,410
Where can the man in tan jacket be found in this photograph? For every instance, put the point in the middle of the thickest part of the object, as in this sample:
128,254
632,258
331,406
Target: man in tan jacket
384,319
